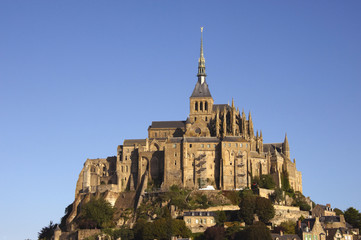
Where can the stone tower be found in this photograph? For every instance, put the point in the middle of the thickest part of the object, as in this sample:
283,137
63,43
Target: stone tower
201,101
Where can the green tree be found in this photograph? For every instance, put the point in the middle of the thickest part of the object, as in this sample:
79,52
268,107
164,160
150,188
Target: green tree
257,231
247,208
353,217
220,217
139,228
300,201
214,233
47,232
288,227
232,231
264,209
98,212
179,228
338,211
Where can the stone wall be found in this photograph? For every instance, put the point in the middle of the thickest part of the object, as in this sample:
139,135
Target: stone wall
286,213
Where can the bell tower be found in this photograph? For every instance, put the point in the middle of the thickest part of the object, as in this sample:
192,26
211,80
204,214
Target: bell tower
201,101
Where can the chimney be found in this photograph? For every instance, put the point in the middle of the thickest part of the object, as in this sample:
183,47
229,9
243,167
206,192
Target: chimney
342,218
328,205
308,226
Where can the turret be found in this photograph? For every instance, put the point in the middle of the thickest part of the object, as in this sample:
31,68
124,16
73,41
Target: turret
217,122
250,125
233,119
244,132
224,122
286,147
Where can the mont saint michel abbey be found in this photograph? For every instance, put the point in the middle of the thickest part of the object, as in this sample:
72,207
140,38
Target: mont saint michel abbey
215,147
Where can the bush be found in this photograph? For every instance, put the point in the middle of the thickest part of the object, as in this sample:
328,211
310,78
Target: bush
265,181
233,196
288,227
300,201
277,196
97,213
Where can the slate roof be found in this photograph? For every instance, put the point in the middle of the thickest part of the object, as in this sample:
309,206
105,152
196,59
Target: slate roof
272,146
221,107
131,142
330,219
305,222
168,124
233,139
201,139
201,90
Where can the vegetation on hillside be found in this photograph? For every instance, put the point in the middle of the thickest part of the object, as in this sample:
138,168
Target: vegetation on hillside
47,232
97,213
264,181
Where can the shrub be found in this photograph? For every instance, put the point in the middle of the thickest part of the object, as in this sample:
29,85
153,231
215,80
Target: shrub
97,213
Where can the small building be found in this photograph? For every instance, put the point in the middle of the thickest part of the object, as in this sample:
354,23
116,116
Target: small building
199,221
311,229
323,210
339,234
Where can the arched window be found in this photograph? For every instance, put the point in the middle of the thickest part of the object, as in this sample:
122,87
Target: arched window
206,106
196,106
201,106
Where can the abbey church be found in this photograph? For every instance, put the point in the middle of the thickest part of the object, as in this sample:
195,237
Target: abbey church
215,147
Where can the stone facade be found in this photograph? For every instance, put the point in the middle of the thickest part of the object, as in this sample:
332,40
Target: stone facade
215,146
323,210
311,229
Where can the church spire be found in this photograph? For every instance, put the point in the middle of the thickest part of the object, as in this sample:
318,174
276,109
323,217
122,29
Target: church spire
286,147
201,63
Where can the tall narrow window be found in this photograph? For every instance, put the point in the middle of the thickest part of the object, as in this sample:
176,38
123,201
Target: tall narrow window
206,106
201,106
196,106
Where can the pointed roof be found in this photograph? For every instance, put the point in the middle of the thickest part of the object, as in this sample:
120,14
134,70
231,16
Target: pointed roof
201,89
286,146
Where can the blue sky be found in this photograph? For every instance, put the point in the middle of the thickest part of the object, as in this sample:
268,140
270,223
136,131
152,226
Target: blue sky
78,77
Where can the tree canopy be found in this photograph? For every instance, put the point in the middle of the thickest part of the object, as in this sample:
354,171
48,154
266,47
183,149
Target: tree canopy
47,232
97,213
353,217
251,204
